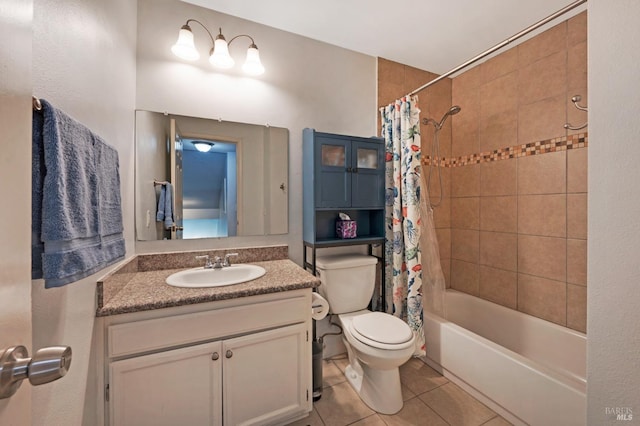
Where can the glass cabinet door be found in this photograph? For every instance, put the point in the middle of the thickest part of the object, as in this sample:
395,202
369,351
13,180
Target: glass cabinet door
367,158
333,155
333,164
367,181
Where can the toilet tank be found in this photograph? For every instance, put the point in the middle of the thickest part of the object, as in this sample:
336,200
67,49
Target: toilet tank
348,281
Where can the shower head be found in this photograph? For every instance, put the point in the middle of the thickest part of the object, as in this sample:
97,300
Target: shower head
452,111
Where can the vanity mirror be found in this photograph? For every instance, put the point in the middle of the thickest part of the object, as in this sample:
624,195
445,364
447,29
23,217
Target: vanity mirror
217,178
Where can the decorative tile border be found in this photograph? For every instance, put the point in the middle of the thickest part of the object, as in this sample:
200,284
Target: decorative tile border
579,140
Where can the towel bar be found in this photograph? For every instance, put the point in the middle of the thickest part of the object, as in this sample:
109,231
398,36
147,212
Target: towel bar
37,106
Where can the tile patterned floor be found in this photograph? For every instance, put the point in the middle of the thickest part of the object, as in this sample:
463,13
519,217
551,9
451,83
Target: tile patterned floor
429,399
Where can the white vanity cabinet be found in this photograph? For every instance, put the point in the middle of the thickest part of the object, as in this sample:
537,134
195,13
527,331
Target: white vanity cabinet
245,361
182,386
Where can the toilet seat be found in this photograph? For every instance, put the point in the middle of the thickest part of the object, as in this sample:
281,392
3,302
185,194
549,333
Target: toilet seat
382,331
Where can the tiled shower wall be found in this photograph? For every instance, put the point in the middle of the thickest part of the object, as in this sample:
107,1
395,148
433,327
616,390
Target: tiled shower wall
512,226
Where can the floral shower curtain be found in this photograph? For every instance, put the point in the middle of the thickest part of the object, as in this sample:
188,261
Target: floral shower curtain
403,265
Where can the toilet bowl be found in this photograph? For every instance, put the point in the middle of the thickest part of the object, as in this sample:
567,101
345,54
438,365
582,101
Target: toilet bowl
377,343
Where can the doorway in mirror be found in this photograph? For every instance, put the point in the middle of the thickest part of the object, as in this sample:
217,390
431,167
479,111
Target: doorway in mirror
209,188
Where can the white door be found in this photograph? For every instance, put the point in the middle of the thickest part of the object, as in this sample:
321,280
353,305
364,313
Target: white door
176,180
16,17
266,379
178,387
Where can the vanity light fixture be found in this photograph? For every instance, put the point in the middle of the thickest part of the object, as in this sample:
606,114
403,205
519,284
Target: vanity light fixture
203,146
219,54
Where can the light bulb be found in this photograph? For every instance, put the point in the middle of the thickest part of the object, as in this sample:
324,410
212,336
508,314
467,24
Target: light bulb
184,47
252,64
220,57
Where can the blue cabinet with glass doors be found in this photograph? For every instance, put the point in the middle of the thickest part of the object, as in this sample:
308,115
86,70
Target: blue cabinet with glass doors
341,174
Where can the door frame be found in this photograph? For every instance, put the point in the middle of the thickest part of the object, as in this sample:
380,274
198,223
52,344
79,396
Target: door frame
16,87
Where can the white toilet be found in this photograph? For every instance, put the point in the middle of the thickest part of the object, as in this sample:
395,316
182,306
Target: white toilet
377,343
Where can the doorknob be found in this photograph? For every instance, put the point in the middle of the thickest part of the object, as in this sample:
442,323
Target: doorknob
47,365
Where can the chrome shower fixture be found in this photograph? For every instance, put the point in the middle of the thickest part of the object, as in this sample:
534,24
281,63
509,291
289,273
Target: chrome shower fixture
435,150
575,99
452,111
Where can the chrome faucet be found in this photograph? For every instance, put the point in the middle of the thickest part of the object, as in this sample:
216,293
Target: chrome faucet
217,262
226,259
208,264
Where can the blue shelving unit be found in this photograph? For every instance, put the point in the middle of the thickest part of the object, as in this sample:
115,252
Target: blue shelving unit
342,174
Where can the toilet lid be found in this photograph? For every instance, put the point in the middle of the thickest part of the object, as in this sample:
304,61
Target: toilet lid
378,327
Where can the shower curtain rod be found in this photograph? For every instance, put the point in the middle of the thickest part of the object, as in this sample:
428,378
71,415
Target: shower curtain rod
502,44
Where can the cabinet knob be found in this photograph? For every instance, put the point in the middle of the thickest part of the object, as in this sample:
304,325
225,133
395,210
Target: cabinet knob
229,354
348,169
215,356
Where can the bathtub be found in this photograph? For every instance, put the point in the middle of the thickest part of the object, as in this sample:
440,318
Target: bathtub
528,370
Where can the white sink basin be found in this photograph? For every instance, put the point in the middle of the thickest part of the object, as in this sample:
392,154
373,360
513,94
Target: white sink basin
200,277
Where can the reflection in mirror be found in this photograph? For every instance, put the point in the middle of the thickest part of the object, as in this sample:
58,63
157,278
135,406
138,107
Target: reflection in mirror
200,178
209,187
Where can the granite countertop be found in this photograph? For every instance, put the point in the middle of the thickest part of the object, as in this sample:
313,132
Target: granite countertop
148,290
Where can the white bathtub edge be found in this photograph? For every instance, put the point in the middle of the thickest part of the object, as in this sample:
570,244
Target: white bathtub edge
494,406
474,363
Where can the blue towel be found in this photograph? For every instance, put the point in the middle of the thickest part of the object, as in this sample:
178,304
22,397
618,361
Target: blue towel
165,206
37,182
76,206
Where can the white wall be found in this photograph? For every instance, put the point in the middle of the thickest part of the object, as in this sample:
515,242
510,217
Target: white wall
306,84
84,63
613,346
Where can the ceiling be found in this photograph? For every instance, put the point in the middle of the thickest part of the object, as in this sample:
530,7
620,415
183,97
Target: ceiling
433,35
